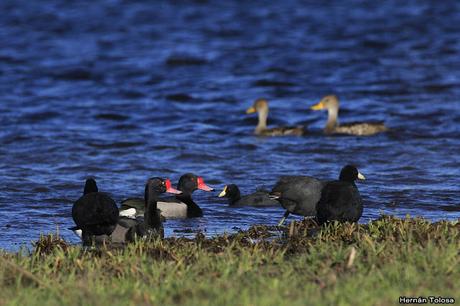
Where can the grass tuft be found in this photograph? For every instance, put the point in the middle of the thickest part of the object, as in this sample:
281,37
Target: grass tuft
48,244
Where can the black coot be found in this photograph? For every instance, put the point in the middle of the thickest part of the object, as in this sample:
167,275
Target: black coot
260,198
340,199
95,213
298,195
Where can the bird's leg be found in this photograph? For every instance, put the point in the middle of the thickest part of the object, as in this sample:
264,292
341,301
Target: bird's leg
87,238
286,214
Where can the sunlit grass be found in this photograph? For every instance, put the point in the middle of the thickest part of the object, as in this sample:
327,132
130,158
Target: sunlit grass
341,264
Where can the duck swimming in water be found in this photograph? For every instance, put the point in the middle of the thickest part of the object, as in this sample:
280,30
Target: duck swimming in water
331,103
340,199
260,198
151,223
182,206
261,107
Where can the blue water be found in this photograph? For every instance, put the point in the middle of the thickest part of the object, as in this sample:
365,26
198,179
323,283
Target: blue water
124,91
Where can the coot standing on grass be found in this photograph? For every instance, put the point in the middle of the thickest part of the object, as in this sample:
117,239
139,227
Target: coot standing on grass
182,206
340,199
298,195
260,198
95,213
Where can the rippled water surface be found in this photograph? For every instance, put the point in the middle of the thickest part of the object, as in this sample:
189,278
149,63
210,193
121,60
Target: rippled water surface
124,91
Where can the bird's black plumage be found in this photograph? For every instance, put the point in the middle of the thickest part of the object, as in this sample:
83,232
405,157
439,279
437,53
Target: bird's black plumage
151,222
90,186
152,217
298,194
95,213
340,199
128,228
260,198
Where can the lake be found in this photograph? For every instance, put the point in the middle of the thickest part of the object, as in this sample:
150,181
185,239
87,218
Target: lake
125,91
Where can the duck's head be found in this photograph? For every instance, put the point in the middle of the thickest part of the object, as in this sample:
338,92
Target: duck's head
328,102
189,182
230,191
159,185
260,105
90,186
350,173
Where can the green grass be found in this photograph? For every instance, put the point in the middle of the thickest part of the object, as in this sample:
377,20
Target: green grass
341,264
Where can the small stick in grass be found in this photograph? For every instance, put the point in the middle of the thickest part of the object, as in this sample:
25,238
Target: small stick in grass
351,257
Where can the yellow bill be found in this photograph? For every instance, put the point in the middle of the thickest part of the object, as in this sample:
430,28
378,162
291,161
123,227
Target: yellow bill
317,106
223,192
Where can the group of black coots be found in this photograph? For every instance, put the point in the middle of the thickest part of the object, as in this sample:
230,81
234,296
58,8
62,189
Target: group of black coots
98,219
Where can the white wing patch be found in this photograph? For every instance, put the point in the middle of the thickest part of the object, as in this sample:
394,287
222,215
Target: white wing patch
128,213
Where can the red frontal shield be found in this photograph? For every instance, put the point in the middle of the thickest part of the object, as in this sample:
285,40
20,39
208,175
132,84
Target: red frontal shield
202,185
170,189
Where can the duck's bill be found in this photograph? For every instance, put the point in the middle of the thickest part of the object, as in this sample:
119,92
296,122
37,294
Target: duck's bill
251,110
203,186
170,189
223,193
173,190
317,106
361,176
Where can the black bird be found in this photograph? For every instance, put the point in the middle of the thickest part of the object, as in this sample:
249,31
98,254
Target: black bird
340,199
260,198
130,227
95,213
298,195
151,223
182,206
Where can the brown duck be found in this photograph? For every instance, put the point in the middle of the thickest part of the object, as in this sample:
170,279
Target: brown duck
331,103
261,107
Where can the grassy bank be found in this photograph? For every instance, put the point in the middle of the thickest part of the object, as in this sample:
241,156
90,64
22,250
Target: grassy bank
341,264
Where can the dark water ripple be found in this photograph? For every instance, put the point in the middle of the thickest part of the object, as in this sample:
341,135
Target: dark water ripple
124,91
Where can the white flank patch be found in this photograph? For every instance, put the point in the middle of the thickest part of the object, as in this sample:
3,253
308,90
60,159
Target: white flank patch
173,210
128,213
